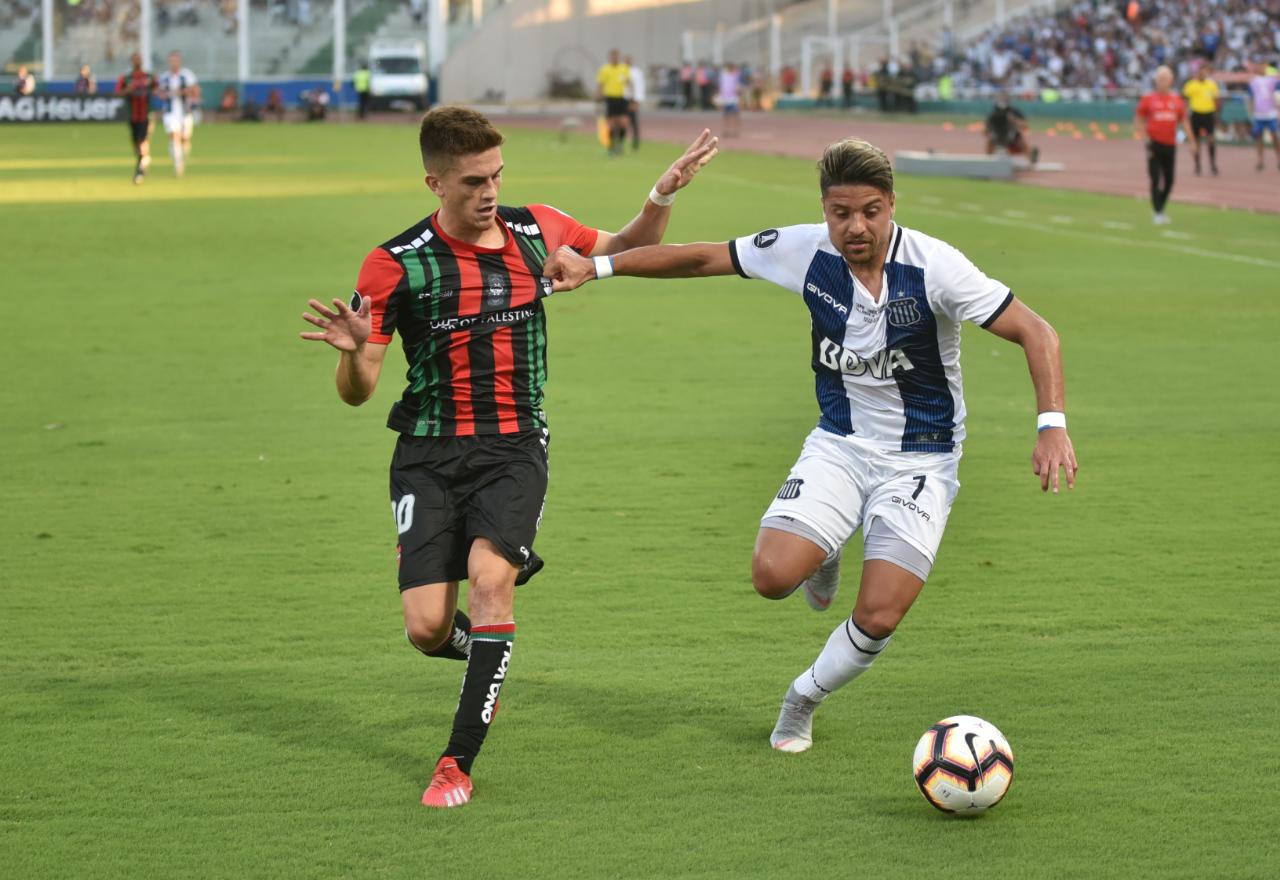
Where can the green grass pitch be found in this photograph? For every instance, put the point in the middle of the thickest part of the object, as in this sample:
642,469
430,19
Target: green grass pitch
202,668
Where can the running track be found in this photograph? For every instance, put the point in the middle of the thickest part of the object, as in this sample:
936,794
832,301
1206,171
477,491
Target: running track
1115,166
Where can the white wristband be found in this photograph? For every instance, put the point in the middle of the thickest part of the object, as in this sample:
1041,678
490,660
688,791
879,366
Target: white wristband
604,266
1047,420
659,199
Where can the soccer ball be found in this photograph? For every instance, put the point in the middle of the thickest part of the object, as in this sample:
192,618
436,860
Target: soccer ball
963,765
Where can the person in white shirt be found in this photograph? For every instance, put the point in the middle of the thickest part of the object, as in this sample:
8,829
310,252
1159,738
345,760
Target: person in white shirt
636,95
180,92
885,304
24,84
730,88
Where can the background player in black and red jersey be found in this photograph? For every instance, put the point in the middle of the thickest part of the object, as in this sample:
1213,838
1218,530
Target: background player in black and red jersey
464,288
138,85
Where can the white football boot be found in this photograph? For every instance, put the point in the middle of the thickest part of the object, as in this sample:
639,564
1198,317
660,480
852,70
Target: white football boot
794,730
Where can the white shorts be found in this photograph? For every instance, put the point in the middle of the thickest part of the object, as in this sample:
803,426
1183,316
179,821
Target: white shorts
841,483
179,123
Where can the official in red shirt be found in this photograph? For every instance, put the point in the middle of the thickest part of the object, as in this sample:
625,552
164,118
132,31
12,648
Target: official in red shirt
1160,112
138,85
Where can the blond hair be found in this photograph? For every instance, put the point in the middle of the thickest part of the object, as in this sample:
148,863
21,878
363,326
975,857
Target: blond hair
854,162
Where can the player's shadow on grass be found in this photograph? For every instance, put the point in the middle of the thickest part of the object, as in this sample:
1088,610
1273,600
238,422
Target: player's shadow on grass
256,704
252,704
647,713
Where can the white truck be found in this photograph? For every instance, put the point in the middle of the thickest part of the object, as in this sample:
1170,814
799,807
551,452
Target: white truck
398,74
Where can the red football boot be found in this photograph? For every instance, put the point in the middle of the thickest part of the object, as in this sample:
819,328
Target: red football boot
449,787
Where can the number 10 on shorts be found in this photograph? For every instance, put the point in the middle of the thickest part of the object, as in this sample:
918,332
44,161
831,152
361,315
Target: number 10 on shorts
402,510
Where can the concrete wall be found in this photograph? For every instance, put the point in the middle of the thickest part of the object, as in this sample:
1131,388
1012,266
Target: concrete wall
514,53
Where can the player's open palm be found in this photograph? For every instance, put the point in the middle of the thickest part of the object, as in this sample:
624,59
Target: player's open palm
682,170
567,269
344,329
1053,454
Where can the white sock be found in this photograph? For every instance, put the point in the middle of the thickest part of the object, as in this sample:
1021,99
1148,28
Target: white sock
175,151
849,652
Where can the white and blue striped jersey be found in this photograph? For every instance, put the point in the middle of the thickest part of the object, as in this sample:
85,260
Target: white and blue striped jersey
175,104
887,372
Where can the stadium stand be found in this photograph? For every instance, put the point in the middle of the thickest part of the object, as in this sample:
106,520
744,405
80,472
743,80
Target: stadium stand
361,28
19,33
1090,51
286,37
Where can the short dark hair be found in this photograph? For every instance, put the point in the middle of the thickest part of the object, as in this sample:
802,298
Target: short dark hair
854,162
450,132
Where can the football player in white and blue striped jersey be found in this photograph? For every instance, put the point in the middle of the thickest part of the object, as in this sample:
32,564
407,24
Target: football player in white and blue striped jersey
885,304
180,91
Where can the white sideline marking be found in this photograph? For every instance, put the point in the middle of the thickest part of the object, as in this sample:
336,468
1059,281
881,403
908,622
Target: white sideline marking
1061,218
1116,239
1114,224
1182,236
926,208
1011,213
969,206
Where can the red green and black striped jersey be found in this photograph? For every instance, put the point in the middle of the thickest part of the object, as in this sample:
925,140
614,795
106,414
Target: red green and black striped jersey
470,320
138,85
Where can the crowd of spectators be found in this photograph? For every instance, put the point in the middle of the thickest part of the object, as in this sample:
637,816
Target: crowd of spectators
697,86
17,13
121,16
1091,50
1096,49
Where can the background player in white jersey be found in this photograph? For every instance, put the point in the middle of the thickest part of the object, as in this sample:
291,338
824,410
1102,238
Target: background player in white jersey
886,304
180,92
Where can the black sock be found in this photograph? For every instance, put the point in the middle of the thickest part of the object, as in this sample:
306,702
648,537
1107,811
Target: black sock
1213,154
458,645
486,670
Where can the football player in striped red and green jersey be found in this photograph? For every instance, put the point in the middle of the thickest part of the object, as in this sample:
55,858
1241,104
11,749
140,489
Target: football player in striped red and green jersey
464,289
138,85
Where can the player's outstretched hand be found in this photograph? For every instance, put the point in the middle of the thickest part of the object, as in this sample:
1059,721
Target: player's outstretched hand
344,329
1054,452
568,269
682,170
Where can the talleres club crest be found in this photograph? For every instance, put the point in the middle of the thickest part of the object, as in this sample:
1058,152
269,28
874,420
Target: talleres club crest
903,312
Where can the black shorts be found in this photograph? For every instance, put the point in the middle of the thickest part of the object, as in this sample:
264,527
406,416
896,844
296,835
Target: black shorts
138,131
1203,123
447,491
1010,139
616,106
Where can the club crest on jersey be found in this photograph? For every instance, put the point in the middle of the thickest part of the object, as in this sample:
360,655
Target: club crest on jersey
903,312
790,489
765,239
495,289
